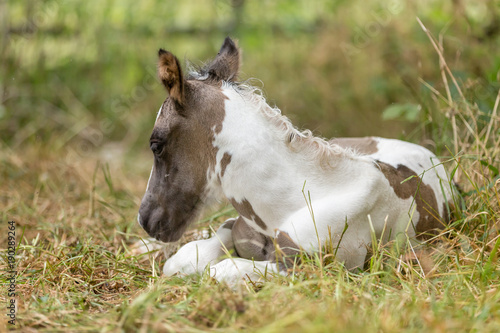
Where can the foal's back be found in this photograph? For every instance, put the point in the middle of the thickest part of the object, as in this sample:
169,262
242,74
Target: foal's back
412,171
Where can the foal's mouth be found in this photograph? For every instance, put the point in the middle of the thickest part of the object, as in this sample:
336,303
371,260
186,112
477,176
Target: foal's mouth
171,229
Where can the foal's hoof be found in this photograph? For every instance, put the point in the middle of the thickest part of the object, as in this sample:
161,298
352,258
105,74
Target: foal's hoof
239,272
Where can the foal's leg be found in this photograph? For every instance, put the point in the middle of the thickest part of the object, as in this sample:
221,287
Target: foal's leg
235,271
195,256
258,256
329,228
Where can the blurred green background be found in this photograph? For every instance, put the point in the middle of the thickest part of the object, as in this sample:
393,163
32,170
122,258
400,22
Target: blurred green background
81,74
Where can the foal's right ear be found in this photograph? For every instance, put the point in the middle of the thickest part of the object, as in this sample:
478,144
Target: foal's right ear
170,73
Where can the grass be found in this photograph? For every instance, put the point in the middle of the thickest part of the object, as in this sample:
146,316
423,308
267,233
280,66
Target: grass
77,260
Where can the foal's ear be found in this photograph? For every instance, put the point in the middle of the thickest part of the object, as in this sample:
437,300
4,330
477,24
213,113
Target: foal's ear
227,63
170,73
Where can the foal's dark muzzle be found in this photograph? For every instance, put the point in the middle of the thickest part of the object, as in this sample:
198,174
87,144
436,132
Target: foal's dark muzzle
157,223
166,215
149,219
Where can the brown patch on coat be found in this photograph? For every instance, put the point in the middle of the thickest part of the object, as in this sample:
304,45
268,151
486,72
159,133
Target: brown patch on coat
286,244
249,243
245,209
424,197
288,251
367,145
228,224
254,245
226,159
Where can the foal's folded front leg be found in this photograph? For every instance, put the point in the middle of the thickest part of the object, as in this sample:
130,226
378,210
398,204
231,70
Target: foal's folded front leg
195,256
258,256
235,271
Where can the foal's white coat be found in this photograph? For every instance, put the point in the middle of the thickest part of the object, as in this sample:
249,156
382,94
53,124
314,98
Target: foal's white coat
270,172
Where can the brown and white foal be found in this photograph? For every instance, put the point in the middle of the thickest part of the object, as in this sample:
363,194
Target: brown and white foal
215,138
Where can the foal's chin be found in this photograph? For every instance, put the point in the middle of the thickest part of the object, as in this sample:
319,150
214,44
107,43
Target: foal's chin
170,232
168,236
166,225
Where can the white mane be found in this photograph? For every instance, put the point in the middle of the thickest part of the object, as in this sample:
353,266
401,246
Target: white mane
304,141
317,148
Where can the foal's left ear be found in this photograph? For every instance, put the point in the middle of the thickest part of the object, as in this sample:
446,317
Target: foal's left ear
170,73
226,65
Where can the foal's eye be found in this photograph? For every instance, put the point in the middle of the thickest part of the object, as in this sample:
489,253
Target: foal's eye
156,147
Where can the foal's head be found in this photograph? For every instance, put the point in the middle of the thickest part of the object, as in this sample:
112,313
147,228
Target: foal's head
181,142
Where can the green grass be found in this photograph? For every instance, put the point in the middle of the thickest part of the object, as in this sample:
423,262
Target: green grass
74,187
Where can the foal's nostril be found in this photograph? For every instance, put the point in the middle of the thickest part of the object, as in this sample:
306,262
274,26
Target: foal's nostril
143,217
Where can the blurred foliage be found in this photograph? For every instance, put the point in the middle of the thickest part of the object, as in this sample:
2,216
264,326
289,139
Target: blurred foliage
83,72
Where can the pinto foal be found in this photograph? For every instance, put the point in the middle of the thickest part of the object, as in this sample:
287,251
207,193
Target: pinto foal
216,138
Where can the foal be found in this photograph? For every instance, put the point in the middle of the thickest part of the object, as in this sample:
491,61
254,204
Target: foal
215,137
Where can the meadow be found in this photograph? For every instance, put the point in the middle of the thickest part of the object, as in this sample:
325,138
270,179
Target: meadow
79,97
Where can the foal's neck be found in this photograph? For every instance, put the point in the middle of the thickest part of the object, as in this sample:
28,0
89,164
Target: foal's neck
264,168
